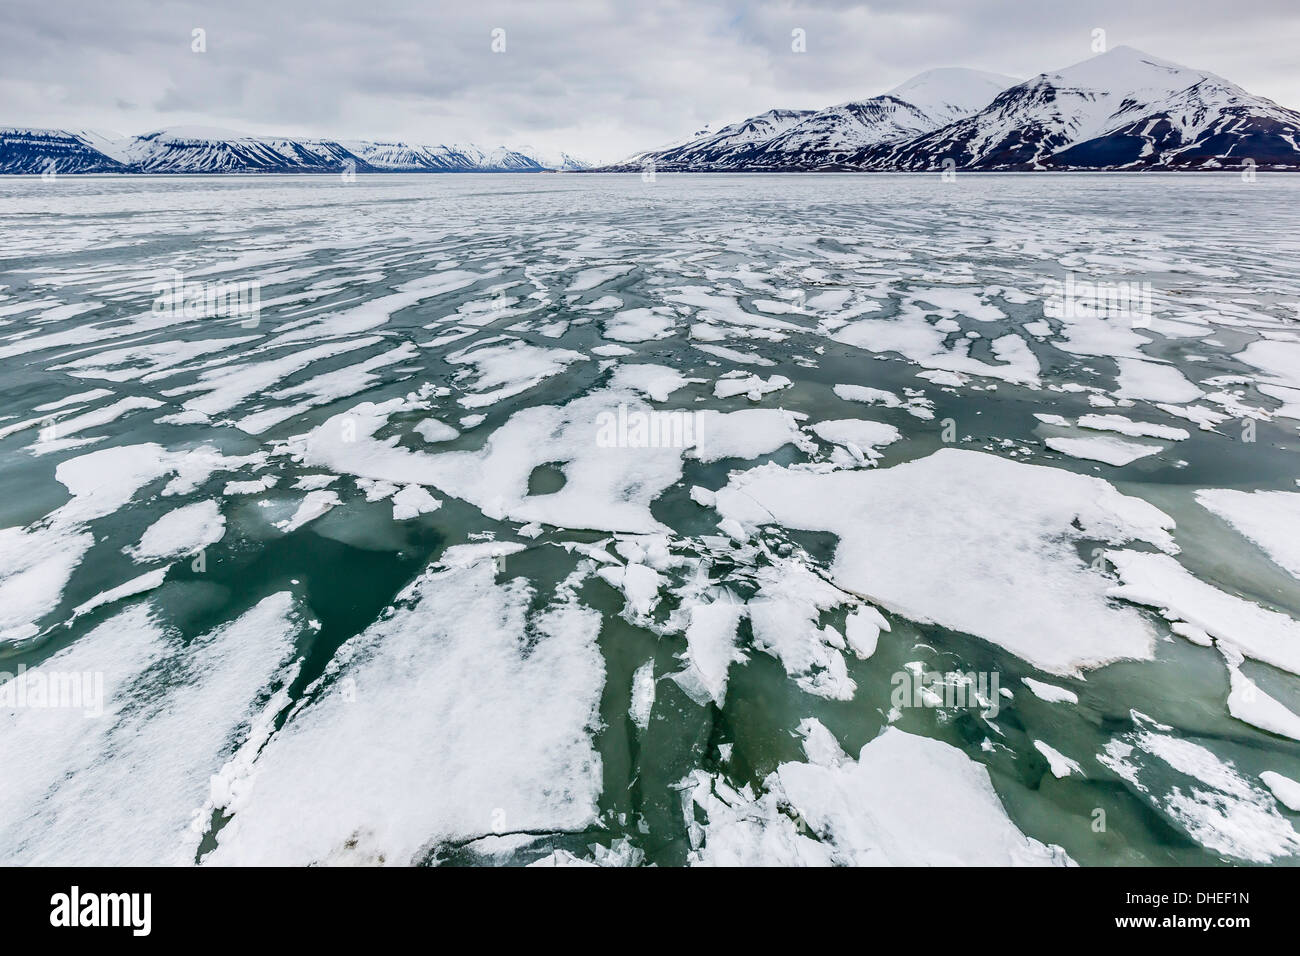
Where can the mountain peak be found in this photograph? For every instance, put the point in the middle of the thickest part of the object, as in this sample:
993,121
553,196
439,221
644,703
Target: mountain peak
948,77
949,92
1125,69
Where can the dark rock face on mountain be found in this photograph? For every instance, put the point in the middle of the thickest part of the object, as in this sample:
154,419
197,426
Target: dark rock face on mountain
46,150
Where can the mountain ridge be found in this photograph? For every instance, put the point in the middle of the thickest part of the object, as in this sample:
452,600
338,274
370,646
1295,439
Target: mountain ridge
204,150
1122,110
1119,110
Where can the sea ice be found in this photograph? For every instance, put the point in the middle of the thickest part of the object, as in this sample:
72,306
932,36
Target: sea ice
974,542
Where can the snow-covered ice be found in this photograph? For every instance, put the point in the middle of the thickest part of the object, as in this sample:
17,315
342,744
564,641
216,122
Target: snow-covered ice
537,519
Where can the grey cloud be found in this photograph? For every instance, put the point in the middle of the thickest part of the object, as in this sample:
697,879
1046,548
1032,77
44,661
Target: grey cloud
602,77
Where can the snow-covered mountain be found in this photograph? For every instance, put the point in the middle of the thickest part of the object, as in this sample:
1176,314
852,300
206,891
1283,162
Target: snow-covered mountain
1122,109
413,158
554,159
209,150
25,150
949,93
833,134
824,139
405,157
925,102
725,148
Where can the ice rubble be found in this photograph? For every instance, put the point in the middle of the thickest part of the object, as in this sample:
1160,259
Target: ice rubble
784,615
861,276
639,583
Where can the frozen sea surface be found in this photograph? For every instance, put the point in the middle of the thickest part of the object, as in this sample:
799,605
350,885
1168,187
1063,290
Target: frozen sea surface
578,519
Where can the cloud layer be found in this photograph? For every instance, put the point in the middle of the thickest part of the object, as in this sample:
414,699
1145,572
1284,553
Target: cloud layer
599,78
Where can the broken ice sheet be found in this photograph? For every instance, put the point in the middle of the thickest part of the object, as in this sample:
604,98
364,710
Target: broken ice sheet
905,801
514,755
1204,796
997,533
438,378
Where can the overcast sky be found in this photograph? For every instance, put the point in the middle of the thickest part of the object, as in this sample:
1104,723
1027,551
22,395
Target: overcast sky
598,78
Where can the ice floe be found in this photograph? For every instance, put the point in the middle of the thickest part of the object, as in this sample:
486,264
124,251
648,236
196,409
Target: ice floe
1060,765
1251,705
1158,581
906,801
312,506
130,787
974,542
1154,382
1050,692
183,531
1285,789
1271,519
1205,796
1109,451
458,715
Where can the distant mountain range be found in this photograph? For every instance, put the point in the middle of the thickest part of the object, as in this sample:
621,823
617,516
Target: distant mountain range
202,150
1120,110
